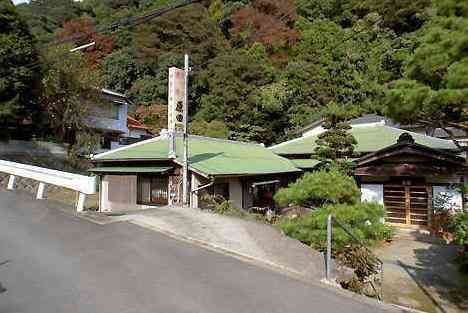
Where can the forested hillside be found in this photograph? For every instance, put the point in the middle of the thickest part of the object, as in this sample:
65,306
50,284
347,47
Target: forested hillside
263,68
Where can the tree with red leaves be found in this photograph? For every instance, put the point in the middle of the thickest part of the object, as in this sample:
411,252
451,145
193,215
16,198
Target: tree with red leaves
270,22
83,30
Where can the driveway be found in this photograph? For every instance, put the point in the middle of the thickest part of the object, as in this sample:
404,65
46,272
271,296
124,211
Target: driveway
420,272
51,262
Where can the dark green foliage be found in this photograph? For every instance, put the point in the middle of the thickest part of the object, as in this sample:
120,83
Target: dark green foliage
46,16
216,129
364,219
68,92
434,90
336,144
265,68
120,71
399,15
459,227
229,84
17,75
319,188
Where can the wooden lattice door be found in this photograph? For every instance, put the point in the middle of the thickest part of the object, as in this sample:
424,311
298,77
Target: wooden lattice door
406,204
159,190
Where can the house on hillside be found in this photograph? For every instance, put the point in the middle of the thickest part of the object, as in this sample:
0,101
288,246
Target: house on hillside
111,121
137,131
143,174
109,118
404,171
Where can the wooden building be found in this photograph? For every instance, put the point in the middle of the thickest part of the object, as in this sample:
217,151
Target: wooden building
144,175
404,171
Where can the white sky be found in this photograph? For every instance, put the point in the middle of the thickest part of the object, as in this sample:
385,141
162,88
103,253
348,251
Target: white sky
19,1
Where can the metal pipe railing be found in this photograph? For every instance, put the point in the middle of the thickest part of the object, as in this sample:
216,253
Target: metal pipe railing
330,219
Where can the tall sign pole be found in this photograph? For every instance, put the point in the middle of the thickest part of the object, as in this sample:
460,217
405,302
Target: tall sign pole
185,196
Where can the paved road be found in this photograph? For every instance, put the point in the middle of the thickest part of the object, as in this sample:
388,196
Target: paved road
55,262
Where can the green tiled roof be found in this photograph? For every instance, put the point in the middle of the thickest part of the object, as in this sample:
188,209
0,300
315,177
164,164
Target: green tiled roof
130,169
305,163
208,156
369,138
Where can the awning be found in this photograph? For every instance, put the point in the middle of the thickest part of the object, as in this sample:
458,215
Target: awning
269,182
130,169
305,163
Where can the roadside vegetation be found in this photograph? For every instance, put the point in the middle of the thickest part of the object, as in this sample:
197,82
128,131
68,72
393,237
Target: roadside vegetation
459,226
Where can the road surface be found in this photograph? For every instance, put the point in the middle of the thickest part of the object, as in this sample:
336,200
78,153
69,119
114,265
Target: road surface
52,262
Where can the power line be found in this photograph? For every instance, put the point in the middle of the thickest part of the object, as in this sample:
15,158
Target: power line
128,21
116,26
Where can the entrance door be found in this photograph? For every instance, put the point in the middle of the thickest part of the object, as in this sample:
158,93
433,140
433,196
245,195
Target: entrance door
153,190
406,204
159,190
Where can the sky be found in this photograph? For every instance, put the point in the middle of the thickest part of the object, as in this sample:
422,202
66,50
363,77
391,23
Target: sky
19,1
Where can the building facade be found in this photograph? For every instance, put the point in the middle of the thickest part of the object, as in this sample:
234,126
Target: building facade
411,174
143,174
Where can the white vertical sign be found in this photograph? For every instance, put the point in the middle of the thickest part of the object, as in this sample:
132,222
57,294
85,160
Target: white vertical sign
175,105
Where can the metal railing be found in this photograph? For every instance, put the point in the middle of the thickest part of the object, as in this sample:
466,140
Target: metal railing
331,218
85,185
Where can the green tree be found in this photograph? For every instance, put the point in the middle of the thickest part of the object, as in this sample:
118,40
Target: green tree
326,186
228,89
346,65
336,144
69,92
46,16
215,129
187,29
434,90
120,70
17,59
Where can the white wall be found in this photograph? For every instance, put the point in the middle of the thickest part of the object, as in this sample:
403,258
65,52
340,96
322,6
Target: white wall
194,185
372,193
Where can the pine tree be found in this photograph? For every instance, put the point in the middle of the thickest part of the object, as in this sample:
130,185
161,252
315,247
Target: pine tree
336,145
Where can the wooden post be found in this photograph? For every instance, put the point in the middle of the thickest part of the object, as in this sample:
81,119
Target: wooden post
430,208
407,205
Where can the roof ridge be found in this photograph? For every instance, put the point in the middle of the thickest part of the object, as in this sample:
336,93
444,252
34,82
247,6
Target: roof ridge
417,134
94,157
225,140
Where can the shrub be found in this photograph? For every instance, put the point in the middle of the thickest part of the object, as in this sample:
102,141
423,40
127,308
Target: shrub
220,205
459,226
364,219
366,269
318,188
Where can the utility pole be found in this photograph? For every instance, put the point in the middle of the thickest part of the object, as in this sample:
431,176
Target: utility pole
185,198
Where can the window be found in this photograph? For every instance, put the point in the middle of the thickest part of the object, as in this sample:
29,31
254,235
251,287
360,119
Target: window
263,195
107,110
153,190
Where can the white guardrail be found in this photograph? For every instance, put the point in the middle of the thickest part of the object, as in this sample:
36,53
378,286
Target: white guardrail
85,185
